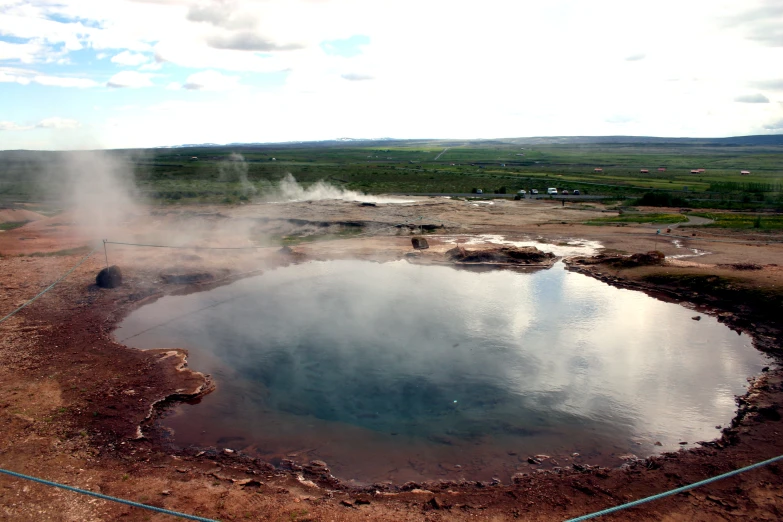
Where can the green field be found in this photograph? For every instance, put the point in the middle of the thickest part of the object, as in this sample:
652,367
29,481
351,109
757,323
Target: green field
640,218
744,221
209,174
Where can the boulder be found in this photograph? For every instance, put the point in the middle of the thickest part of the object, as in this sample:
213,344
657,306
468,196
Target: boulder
419,243
505,255
110,277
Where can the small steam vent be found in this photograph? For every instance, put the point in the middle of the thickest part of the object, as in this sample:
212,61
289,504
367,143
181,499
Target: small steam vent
109,277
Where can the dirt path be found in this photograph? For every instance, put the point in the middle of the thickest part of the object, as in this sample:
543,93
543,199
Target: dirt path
72,399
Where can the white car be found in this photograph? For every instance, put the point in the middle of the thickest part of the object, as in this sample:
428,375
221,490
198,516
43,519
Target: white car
534,191
522,192
551,191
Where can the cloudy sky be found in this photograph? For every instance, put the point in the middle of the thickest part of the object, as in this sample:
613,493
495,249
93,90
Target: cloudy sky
136,73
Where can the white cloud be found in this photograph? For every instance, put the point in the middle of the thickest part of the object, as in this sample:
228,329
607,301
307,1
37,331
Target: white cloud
48,123
355,77
130,79
58,123
130,59
210,81
62,81
11,126
752,98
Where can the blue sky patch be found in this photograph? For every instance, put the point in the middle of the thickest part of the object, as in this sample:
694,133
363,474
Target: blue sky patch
348,47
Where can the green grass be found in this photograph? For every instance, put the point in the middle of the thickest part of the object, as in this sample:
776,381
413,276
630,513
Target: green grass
10,225
743,221
170,176
640,218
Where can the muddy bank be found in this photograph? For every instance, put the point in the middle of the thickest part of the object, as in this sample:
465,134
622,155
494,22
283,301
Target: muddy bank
87,435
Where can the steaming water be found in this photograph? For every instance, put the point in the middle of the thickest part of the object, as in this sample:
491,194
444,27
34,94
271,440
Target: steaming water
400,372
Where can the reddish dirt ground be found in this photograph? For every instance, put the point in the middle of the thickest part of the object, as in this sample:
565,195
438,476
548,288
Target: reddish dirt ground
72,399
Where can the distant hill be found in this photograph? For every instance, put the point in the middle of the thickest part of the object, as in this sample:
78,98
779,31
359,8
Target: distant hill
761,139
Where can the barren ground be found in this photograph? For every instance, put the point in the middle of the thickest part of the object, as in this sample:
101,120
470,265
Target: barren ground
72,399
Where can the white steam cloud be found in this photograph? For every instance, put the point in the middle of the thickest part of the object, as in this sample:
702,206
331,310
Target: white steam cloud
97,188
235,169
289,190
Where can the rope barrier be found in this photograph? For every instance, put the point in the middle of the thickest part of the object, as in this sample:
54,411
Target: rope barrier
675,491
106,497
42,292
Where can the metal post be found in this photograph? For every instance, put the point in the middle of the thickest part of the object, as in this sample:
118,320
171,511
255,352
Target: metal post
105,253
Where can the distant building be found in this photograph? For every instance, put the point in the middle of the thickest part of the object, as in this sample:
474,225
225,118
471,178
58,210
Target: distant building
700,170
694,171
599,169
745,172
661,169
644,171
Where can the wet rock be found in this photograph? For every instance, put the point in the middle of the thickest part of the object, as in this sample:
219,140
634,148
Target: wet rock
110,277
518,478
654,257
533,460
186,278
367,204
505,255
419,243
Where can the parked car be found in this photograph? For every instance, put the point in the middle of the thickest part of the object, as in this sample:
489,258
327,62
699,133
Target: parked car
576,192
479,191
534,191
564,191
522,192
551,191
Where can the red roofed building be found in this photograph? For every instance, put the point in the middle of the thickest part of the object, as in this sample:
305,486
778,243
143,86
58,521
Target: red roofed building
661,169
694,171
598,170
644,171
745,172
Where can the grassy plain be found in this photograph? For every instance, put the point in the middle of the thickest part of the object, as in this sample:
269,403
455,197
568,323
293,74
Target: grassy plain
211,174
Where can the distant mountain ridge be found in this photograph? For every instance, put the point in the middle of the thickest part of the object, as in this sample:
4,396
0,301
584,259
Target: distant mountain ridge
760,139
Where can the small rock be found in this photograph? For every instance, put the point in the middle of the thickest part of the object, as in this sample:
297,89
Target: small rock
227,451
346,503
658,443
419,243
110,277
434,503
683,443
718,427
533,460
696,318
166,492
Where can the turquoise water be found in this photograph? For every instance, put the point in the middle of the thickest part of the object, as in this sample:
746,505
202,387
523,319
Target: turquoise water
396,371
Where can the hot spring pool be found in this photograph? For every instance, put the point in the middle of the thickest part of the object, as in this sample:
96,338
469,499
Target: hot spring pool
395,371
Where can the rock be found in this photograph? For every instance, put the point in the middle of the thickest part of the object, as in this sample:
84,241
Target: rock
286,251
433,503
166,492
367,204
227,451
419,243
696,318
657,443
533,460
518,478
186,278
110,277
505,255
683,443
346,503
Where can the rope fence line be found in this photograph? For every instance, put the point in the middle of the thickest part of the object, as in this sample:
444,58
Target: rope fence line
106,497
42,292
675,491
